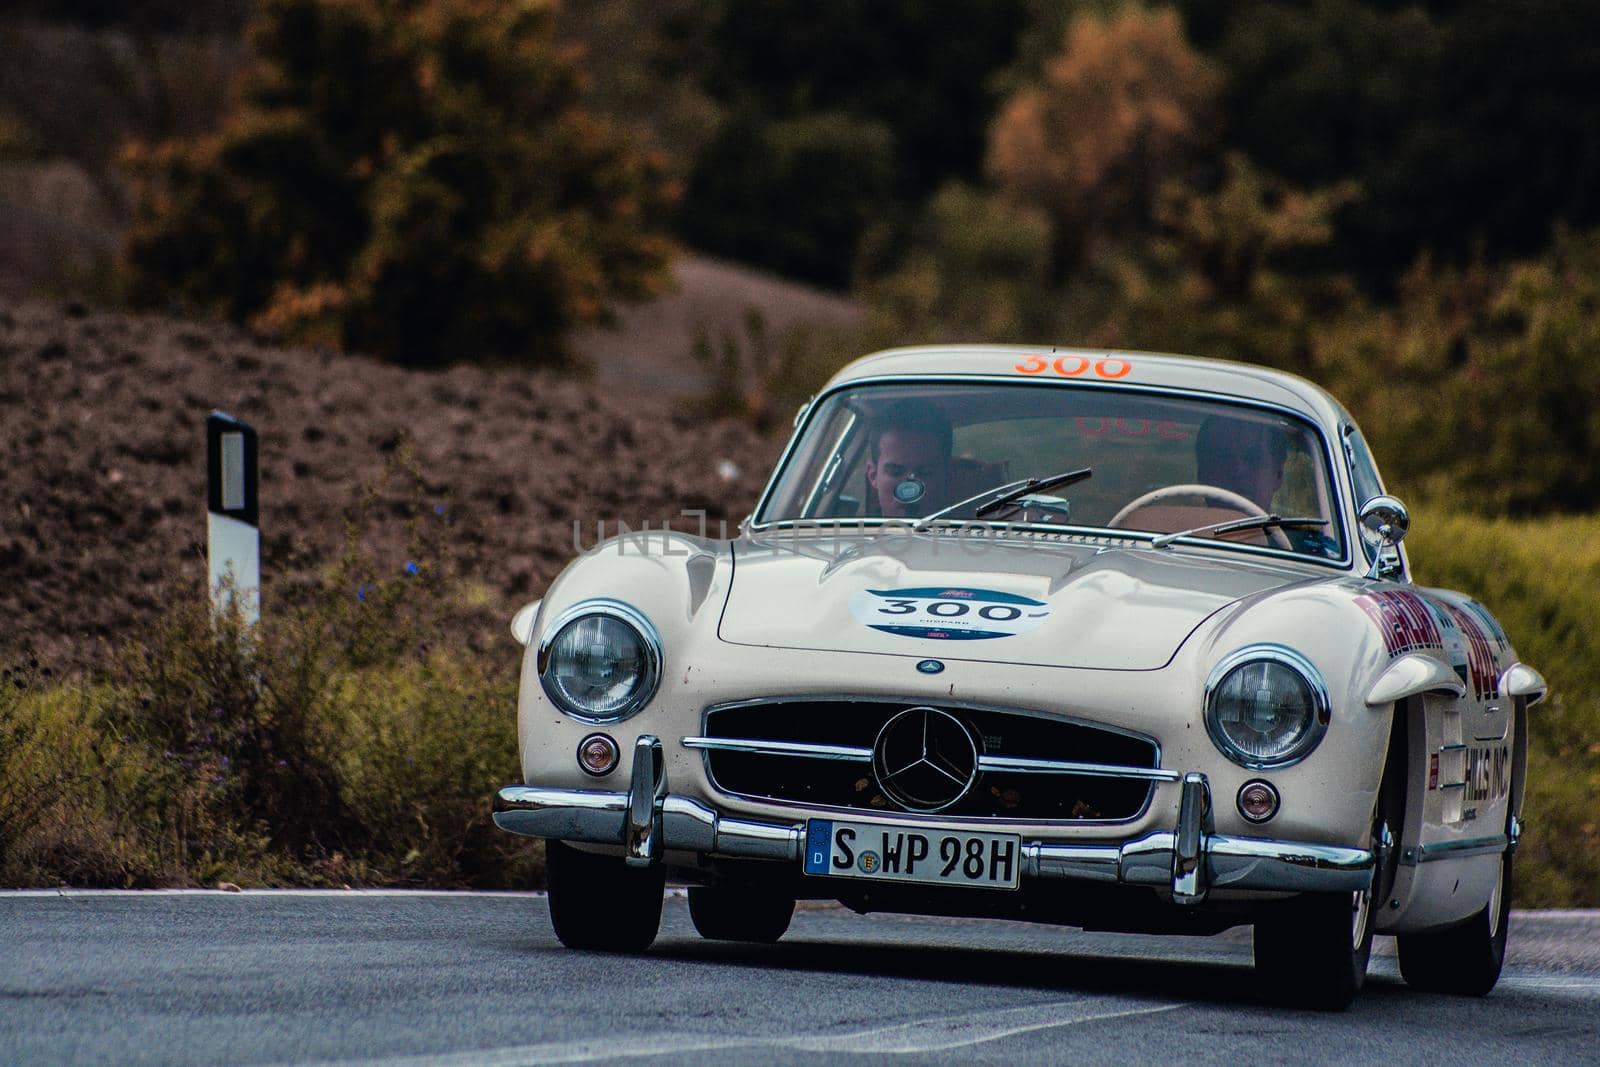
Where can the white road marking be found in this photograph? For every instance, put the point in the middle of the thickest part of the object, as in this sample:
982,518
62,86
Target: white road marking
919,1037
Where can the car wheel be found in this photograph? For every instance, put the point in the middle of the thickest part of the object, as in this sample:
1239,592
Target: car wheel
1465,959
1312,951
599,902
728,914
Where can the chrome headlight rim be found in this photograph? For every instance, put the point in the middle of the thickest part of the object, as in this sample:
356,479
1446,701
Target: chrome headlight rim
629,615
1295,661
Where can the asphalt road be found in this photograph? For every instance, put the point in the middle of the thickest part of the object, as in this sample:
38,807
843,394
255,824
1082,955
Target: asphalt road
479,979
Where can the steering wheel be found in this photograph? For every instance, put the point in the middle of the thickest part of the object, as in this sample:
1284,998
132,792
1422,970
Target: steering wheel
1214,494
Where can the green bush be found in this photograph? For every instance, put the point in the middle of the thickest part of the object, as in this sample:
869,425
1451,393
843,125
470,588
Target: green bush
339,741
1542,581
413,178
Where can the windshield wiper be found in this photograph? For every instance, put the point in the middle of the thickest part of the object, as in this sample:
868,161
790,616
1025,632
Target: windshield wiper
1256,522
1006,494
1055,481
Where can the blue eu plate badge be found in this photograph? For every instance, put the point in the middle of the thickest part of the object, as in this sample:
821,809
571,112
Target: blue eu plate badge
819,838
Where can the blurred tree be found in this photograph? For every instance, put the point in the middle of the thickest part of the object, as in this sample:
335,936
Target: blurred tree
185,16
977,269
629,57
1225,274
1124,107
413,178
794,195
1479,386
920,67
894,96
1470,124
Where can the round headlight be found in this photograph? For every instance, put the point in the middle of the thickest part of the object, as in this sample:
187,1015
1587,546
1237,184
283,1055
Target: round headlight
600,661
1266,706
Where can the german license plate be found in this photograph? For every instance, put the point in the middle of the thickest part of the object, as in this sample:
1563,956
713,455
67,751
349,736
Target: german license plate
897,854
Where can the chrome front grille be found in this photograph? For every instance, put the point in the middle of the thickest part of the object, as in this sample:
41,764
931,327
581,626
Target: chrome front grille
1030,766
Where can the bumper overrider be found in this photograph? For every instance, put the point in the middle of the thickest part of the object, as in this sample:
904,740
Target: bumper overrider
1189,859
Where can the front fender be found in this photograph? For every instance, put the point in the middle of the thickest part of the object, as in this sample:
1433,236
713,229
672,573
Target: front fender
677,581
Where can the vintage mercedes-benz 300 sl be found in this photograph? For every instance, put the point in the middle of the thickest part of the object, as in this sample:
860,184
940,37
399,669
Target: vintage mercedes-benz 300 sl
1112,640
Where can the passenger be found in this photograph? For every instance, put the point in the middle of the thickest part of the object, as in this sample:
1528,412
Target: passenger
908,460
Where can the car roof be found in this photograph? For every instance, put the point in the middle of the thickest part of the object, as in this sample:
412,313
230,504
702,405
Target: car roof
1100,367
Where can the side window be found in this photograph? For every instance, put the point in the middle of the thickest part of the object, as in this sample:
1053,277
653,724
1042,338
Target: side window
1364,477
1363,472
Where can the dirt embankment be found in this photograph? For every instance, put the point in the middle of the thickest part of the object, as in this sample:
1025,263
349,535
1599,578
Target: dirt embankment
102,507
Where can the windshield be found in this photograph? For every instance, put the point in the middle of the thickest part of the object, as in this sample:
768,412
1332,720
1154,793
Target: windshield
1161,464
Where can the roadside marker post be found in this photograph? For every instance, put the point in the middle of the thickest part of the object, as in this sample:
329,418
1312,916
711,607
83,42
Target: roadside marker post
233,534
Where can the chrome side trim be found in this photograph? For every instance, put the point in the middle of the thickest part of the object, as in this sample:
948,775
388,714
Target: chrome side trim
781,748
1454,850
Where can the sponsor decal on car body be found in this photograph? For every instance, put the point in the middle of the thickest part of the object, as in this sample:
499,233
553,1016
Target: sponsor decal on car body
948,614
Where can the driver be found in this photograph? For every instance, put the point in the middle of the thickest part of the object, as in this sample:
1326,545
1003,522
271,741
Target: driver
1243,457
908,460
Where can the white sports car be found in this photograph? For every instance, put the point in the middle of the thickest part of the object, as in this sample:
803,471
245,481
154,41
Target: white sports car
1111,640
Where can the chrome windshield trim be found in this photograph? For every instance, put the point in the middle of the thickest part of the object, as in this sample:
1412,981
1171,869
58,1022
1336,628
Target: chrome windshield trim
869,528
780,748
1030,765
1345,562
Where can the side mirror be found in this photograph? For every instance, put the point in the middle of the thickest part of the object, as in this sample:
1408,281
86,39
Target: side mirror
1386,519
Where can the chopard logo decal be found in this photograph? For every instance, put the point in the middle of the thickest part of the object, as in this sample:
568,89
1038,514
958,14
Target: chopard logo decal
939,613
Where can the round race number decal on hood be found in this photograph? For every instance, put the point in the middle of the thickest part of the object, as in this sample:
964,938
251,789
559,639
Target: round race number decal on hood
947,614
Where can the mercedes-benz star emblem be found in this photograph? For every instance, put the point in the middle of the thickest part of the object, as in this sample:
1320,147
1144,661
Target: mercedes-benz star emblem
925,759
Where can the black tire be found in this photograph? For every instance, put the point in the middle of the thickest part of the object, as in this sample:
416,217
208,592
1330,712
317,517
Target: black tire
1464,960
599,902
1312,951
730,914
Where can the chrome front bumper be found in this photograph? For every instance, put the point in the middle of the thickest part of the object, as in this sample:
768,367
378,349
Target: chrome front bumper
1189,859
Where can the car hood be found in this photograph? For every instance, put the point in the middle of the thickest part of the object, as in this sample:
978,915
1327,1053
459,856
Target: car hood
1049,603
